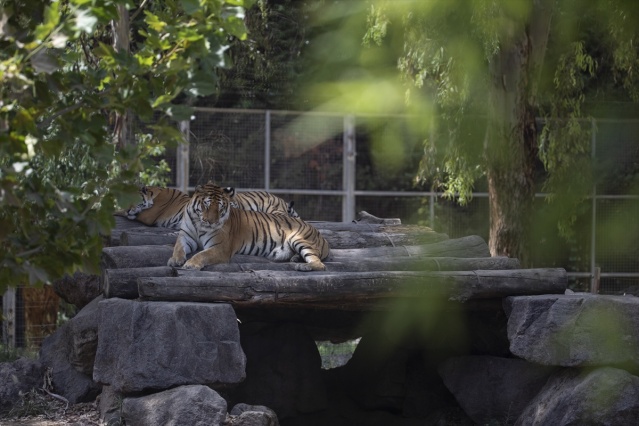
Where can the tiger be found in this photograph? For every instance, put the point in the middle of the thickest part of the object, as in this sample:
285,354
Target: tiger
159,207
165,206
213,225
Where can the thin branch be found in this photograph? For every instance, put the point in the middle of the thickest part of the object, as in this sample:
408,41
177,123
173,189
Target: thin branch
63,111
137,12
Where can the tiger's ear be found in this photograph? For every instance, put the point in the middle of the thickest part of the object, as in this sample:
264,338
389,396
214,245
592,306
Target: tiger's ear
143,190
198,188
230,191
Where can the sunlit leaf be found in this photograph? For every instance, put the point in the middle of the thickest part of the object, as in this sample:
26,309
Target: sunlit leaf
85,20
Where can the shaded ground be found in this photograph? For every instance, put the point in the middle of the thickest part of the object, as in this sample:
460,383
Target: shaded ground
39,409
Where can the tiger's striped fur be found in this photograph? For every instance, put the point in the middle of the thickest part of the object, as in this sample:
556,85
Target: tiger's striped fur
165,206
262,201
212,225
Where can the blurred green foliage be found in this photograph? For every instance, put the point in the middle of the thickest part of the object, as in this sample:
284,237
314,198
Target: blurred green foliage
477,74
63,89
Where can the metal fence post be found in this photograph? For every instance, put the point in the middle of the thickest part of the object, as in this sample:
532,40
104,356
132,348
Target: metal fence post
431,210
594,278
182,158
267,150
348,178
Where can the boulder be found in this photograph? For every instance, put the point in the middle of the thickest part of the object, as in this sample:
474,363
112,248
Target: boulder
78,289
572,330
158,345
16,378
83,332
193,405
283,370
493,390
605,396
252,415
66,380
110,406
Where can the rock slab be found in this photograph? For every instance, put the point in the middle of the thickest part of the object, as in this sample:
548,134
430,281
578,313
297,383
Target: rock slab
605,396
159,345
574,330
193,405
252,415
493,390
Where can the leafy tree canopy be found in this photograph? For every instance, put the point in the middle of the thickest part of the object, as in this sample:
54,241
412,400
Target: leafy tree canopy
65,86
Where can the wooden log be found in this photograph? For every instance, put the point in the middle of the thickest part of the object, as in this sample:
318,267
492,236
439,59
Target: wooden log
123,283
339,239
365,217
143,256
347,290
471,246
135,256
146,256
382,264
132,238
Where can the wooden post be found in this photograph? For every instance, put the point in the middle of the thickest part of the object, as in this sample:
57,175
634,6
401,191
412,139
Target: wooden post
595,283
9,317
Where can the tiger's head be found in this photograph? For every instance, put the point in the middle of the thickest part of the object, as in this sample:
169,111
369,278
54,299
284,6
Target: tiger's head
212,204
148,193
158,206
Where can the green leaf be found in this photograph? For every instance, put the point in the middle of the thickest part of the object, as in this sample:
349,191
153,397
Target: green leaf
180,112
202,85
85,20
44,62
190,6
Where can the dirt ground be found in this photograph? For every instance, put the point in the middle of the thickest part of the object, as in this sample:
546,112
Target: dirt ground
40,409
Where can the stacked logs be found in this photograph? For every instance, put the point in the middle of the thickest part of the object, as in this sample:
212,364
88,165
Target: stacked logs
373,261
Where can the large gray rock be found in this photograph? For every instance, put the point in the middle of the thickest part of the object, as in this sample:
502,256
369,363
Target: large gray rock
605,396
574,330
18,377
159,345
83,332
193,405
252,415
110,406
78,289
67,381
283,370
493,390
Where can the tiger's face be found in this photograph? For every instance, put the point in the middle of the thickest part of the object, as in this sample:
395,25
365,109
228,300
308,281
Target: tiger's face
212,204
148,193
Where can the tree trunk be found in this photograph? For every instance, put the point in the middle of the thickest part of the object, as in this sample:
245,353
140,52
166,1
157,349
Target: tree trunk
511,143
121,42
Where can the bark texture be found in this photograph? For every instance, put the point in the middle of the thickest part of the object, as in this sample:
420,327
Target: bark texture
511,143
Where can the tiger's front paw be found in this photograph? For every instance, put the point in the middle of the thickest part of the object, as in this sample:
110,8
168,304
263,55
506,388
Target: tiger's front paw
192,265
176,262
311,266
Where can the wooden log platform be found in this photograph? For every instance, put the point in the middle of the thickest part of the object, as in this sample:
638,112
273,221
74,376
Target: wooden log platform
372,264
345,236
